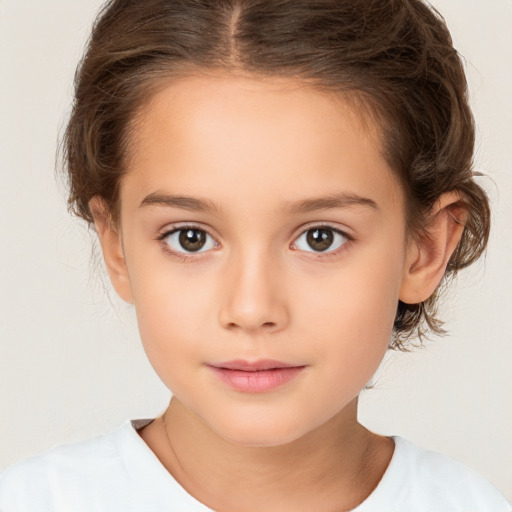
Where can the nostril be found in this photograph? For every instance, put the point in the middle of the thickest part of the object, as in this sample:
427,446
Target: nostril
245,326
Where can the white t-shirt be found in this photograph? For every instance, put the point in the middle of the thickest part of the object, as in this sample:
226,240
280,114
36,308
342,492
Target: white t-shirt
118,472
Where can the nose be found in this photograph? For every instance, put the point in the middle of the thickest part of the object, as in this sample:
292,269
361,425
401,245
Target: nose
253,295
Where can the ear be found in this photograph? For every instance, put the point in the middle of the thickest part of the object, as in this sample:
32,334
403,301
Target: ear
112,248
428,255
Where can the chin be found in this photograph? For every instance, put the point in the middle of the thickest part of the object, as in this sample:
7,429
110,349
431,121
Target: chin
259,432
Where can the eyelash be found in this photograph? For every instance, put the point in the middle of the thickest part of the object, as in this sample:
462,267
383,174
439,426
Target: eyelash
185,257
330,254
182,257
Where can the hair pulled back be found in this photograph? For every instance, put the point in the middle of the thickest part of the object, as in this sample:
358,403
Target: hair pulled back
394,56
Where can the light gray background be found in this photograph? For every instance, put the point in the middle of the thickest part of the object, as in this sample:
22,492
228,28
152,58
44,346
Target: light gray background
71,364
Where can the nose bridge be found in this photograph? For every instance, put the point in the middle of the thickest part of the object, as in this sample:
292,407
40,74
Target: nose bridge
254,293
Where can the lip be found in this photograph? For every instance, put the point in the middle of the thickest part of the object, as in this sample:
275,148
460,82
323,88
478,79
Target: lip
255,376
253,366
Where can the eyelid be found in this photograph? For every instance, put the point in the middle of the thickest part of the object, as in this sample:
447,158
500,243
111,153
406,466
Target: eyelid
323,225
319,225
168,230
183,256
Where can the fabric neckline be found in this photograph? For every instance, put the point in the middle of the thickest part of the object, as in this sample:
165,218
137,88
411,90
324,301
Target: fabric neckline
146,470
386,491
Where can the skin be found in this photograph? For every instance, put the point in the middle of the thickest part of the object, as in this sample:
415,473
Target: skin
257,290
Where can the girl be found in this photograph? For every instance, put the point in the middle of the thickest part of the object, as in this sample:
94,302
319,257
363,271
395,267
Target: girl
280,188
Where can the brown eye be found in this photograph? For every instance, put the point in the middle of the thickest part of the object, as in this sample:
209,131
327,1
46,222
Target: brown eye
321,239
186,240
192,239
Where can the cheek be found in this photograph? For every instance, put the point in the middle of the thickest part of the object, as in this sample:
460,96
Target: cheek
354,309
175,307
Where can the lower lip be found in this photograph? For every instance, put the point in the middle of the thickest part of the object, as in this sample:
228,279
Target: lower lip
261,381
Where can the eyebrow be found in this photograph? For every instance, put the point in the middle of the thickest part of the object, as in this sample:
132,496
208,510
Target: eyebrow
340,200
193,204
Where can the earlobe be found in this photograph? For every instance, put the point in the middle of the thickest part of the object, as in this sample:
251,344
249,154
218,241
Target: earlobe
428,255
112,248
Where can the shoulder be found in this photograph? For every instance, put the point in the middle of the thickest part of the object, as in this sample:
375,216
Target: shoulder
116,472
426,481
40,481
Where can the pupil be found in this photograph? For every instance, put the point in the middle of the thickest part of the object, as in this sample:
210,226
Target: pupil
192,239
320,239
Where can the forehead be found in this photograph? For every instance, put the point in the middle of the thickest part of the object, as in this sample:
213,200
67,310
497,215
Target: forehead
239,139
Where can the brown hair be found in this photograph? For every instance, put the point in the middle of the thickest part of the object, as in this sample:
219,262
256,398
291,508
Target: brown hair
395,56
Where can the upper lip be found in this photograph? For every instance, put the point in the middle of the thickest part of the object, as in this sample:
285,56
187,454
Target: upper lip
253,366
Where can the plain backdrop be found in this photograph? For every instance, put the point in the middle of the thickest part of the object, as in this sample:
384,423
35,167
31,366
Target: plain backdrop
71,363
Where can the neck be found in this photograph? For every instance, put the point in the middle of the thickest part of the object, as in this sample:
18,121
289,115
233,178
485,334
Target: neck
341,462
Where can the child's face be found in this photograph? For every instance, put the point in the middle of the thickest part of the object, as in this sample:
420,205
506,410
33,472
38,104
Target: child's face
260,286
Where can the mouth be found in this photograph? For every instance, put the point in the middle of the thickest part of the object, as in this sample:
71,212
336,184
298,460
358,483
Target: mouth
255,377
